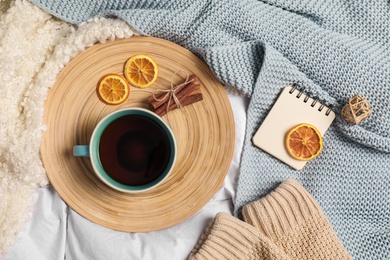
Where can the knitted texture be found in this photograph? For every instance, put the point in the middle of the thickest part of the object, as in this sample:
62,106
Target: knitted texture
286,224
291,218
230,238
335,49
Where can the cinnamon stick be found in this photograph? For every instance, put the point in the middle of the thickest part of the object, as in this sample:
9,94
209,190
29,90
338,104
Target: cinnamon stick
181,95
160,97
193,98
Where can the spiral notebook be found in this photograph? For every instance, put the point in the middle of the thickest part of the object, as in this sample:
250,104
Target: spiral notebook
290,109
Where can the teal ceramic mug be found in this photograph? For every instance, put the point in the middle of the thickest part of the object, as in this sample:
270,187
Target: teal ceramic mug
131,150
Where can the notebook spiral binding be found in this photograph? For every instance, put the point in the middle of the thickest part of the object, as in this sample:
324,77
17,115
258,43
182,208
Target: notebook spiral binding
300,93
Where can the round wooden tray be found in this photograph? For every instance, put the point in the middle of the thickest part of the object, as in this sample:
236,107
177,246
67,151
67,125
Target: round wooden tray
205,133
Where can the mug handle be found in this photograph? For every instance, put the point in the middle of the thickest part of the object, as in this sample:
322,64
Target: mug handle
81,150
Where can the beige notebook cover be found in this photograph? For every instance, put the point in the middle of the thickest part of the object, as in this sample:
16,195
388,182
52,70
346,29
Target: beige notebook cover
290,109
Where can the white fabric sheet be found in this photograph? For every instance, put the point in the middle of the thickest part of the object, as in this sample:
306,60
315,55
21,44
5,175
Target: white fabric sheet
55,231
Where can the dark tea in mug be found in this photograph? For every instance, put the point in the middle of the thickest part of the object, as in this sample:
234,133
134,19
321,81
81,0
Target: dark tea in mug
134,150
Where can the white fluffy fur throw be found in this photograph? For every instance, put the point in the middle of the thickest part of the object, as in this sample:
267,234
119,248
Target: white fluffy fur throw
34,47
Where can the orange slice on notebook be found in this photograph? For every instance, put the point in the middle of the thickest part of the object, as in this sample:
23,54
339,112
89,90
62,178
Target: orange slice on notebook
113,89
141,71
304,142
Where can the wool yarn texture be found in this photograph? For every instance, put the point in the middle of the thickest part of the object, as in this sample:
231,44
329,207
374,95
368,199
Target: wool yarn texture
34,47
334,49
286,224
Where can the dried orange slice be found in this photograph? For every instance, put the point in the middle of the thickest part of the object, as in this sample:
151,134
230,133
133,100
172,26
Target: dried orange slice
113,89
141,71
304,142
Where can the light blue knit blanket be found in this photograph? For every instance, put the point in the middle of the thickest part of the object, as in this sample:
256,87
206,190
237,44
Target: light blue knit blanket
335,49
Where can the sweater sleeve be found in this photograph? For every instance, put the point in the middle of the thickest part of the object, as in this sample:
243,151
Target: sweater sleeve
230,238
292,219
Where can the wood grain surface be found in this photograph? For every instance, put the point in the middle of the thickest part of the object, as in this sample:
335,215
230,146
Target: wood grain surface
205,134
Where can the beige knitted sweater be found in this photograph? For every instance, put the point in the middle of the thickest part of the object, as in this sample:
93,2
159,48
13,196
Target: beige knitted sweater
286,224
